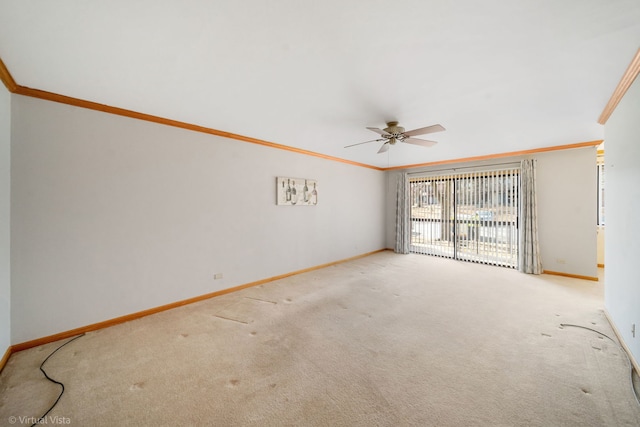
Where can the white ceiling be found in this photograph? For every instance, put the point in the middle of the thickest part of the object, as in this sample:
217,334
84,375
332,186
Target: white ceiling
500,75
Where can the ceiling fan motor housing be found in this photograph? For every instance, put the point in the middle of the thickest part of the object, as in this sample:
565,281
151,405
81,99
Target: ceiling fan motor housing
395,131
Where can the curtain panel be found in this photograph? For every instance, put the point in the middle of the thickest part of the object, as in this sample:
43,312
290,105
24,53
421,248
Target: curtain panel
529,261
403,223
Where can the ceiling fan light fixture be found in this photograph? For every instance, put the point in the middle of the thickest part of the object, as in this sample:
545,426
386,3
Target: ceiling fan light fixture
393,129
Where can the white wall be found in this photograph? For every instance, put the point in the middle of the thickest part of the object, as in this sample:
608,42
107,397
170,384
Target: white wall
5,191
567,211
622,246
112,215
566,207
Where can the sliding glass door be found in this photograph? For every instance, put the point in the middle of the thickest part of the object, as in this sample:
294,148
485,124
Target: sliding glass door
471,217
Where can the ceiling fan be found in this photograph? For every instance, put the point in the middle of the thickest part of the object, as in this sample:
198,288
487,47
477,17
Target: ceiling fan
394,133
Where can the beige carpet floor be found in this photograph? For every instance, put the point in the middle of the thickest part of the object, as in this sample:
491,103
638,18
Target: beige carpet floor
386,340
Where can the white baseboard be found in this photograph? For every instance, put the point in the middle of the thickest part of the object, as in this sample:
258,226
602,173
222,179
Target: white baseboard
635,364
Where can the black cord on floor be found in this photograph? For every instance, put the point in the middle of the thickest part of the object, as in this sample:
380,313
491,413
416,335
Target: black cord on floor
52,380
631,370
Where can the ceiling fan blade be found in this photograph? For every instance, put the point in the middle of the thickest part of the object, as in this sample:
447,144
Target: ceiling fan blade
366,142
385,147
422,131
381,132
422,142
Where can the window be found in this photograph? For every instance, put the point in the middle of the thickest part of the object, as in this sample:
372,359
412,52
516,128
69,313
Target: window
471,216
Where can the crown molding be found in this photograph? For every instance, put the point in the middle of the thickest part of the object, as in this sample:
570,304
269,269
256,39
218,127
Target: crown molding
625,83
6,78
502,155
76,102
15,88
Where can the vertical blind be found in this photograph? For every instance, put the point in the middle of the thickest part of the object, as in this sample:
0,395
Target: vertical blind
468,216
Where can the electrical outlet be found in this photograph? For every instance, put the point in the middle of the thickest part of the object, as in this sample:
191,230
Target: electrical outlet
217,276
561,260
633,330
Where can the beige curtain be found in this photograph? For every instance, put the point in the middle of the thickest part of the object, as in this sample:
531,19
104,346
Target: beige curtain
529,253
403,222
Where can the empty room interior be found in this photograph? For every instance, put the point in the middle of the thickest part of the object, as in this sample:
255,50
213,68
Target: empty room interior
335,213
